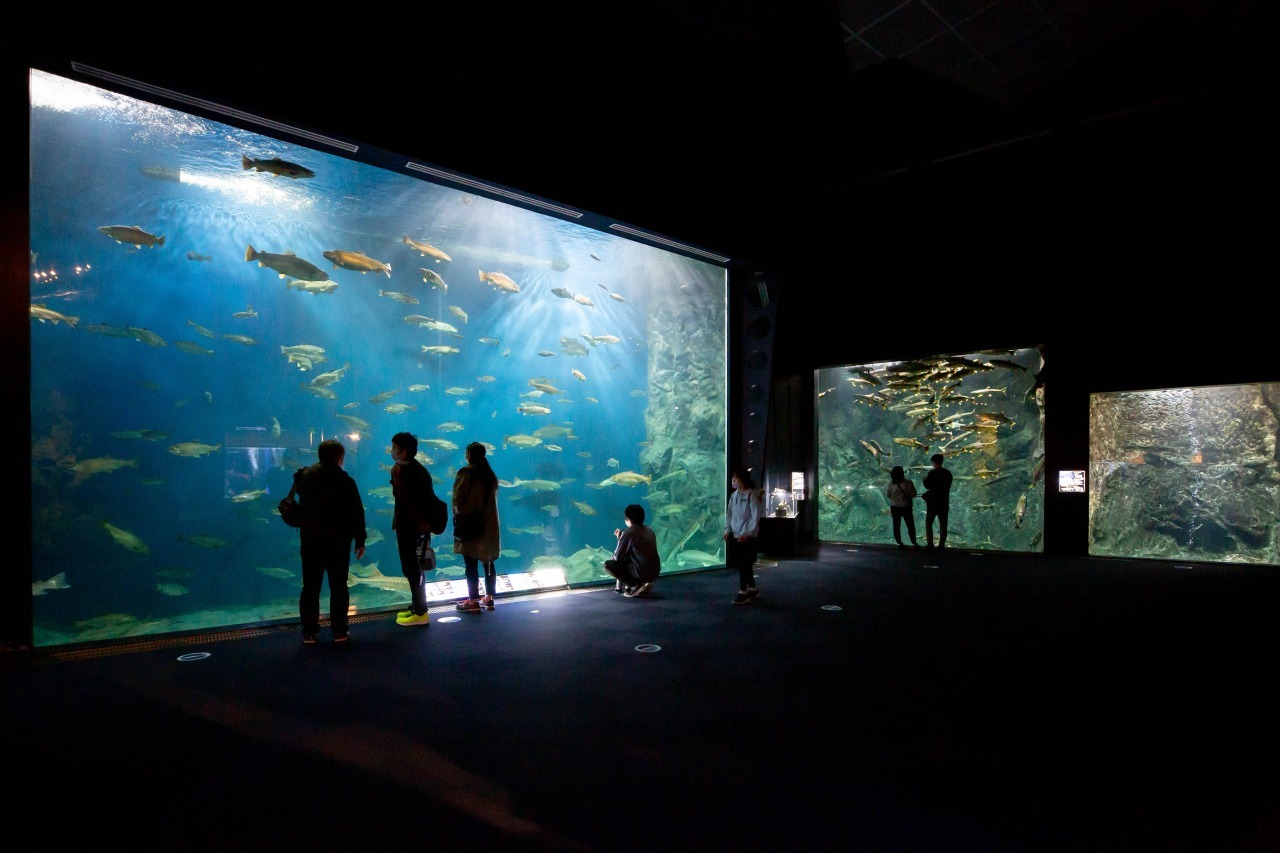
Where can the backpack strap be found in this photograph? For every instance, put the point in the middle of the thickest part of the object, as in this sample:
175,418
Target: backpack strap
294,487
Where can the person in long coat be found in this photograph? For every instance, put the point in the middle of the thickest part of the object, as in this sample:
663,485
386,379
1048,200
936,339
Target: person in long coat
476,530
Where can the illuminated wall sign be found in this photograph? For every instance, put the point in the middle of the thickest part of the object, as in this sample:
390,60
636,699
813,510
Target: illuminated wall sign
1071,481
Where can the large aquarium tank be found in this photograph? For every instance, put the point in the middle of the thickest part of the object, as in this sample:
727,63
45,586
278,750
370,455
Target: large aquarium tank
983,411
1186,474
209,303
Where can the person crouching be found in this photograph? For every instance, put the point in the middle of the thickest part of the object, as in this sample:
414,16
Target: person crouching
635,564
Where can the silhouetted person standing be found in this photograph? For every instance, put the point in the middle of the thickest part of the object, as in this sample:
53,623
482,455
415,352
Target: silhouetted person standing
411,488
937,500
901,493
332,517
475,506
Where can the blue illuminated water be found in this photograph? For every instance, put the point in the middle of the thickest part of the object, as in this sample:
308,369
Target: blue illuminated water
215,551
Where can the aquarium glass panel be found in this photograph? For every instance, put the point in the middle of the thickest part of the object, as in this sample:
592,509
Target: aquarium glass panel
1186,474
209,303
983,411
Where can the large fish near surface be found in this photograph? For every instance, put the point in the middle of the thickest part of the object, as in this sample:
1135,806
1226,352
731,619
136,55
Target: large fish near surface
356,261
500,281
425,249
132,234
287,265
276,166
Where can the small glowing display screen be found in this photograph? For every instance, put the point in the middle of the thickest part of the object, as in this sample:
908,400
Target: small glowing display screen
1071,481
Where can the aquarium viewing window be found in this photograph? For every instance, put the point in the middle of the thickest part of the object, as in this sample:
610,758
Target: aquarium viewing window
1186,474
210,302
982,411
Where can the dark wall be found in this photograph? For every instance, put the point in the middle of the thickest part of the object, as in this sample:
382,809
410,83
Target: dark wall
1130,249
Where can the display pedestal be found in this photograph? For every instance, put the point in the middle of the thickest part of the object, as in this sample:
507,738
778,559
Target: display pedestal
778,536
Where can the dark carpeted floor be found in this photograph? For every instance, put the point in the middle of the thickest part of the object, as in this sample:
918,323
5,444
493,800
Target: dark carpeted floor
871,700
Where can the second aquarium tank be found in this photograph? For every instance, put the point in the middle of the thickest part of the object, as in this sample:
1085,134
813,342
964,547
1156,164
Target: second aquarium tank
209,303
982,411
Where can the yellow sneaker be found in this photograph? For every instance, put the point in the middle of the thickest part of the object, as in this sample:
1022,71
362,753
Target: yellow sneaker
414,620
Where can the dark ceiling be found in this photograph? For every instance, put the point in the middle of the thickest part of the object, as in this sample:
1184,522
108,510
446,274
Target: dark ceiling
741,127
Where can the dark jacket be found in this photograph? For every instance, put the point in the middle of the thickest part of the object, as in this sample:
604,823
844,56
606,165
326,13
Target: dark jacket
410,486
638,547
937,484
332,511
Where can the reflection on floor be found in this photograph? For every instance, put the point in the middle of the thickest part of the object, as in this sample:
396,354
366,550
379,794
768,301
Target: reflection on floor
870,699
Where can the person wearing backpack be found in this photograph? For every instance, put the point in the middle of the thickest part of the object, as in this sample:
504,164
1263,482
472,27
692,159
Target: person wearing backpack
476,531
332,518
412,490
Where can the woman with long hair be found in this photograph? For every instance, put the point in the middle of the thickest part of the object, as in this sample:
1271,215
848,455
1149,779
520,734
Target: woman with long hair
476,532
901,492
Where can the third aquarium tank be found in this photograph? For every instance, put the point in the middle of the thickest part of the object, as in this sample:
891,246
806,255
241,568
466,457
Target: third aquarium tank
1186,474
209,303
982,411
